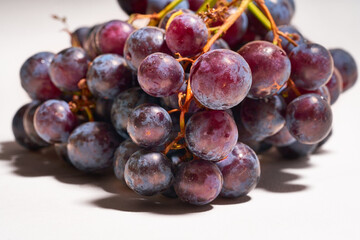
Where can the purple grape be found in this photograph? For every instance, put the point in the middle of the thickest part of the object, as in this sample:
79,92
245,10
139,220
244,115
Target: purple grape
133,6
78,37
160,75
91,146
270,68
123,106
35,79
211,135
112,35
165,19
263,118
155,6
187,34
198,182
240,170
90,45
219,44
143,42
281,139
297,150
108,75
347,67
122,155
309,118
220,79
286,45
311,66
148,173
54,121
68,67
335,86
195,4
289,94
149,125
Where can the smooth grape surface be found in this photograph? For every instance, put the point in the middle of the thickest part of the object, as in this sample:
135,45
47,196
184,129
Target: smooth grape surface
35,78
165,19
160,75
219,44
311,66
309,118
112,35
124,104
335,86
296,150
90,44
91,146
68,67
108,75
198,182
220,79
122,155
240,170
148,173
187,34
270,68
281,139
211,135
263,118
143,42
286,45
78,37
346,65
54,121
149,125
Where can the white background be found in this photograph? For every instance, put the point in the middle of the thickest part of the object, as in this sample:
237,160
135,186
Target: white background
43,198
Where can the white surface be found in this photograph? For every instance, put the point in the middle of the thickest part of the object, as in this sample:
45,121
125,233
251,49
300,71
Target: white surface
43,198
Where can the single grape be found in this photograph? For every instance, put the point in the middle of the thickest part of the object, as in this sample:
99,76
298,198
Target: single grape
68,67
240,170
346,65
148,173
149,125
122,155
133,6
155,6
309,118
220,79
211,135
90,45
281,139
78,37
270,68
108,75
112,35
124,104
160,75
296,150
91,146
143,42
165,19
286,45
54,121
311,66
187,34
35,79
263,118
198,182
335,86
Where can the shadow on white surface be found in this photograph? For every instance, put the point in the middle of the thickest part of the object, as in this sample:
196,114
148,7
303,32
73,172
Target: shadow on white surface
46,163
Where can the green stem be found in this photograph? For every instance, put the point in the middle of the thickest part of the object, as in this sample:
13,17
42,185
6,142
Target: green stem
168,8
203,7
259,15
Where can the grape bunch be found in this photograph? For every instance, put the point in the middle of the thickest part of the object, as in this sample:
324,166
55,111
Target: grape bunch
182,105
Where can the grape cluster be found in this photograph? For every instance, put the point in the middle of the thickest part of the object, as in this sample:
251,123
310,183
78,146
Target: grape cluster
183,106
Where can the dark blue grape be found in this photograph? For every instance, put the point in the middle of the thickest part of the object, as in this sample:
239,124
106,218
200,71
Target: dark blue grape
148,173
240,170
91,146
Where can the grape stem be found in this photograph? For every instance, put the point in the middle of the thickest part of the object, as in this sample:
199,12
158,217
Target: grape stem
207,4
227,24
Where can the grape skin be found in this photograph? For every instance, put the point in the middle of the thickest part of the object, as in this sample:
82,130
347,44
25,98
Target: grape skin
281,139
143,42
309,118
187,34
198,182
108,75
211,135
240,170
133,6
78,37
165,19
149,125
335,86
220,79
68,67
148,173
54,121
160,75
35,79
91,147
311,66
